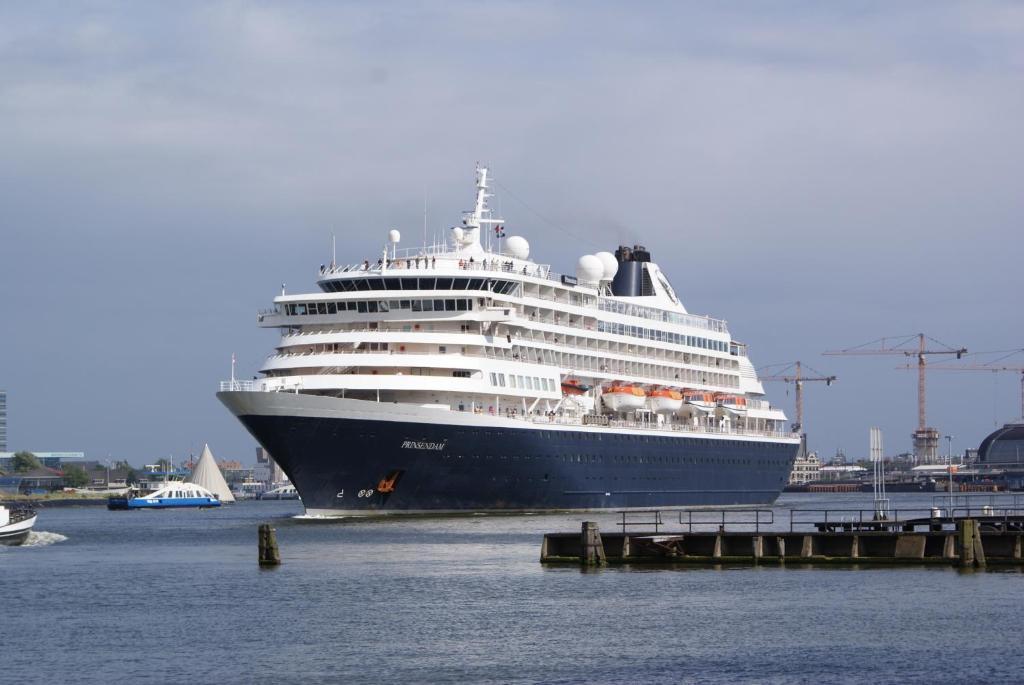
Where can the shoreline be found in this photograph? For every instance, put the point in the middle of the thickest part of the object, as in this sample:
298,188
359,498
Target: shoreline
45,502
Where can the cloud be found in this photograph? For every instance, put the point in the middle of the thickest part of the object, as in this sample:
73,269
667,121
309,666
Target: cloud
794,167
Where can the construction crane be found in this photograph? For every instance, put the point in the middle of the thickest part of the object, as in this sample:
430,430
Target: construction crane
926,439
798,379
994,366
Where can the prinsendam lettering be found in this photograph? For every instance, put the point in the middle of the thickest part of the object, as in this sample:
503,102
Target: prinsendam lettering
416,445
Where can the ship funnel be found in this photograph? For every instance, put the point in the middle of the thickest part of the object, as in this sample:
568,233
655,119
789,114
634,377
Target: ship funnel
631,279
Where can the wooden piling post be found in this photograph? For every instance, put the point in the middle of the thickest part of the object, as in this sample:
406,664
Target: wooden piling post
979,549
781,542
807,548
965,540
758,550
854,546
949,548
1016,547
592,544
269,555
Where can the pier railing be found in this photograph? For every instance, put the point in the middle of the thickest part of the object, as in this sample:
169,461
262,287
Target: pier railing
978,500
691,518
1007,518
723,517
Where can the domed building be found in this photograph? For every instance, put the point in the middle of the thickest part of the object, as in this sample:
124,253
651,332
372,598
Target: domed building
1004,447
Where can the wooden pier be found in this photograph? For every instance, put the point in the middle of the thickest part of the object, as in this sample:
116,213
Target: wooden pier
974,542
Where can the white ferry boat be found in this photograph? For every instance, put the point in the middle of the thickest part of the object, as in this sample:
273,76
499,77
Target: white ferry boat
172,495
468,377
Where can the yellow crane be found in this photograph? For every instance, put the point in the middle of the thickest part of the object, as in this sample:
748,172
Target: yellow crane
794,373
926,439
998,365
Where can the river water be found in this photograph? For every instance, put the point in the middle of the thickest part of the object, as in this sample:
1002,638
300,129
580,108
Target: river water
173,596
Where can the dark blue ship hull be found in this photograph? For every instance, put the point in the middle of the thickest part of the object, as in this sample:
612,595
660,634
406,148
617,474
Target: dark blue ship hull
366,466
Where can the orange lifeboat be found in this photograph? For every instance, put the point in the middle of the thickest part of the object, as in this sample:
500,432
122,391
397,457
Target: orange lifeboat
624,398
736,404
697,402
572,386
665,400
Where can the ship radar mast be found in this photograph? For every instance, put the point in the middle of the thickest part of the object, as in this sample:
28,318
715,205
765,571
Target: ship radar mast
467,236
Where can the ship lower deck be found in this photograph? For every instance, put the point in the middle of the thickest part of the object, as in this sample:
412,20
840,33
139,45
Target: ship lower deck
355,457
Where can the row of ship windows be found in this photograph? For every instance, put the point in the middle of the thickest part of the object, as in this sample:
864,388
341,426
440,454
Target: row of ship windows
632,459
463,305
359,284
662,336
575,437
522,382
377,306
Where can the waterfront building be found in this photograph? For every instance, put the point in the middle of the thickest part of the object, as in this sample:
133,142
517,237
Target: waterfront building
841,472
52,460
806,469
1003,448
273,473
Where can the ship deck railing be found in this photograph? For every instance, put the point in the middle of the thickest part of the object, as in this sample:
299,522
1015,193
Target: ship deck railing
506,265
652,426
593,352
260,385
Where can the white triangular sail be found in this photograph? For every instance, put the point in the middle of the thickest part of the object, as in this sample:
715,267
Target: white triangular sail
207,474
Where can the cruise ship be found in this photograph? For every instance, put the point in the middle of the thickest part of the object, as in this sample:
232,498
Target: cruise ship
467,377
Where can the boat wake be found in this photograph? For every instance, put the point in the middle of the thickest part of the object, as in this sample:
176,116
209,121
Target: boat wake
42,538
321,517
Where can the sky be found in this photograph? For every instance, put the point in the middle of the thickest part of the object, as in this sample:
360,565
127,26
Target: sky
819,174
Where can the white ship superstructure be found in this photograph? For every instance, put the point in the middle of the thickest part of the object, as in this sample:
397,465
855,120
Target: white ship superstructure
476,328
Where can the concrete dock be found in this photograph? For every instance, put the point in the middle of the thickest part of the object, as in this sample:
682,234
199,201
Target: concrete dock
962,542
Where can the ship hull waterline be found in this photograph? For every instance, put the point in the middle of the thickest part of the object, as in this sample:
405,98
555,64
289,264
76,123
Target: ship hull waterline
355,458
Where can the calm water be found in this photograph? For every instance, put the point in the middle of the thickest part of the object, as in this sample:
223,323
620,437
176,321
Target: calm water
177,596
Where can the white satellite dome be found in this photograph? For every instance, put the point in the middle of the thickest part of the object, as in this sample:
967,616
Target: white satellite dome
457,233
517,246
589,269
394,236
610,264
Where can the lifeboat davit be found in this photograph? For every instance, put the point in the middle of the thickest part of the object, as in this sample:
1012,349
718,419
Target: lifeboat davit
697,402
734,404
572,386
624,398
665,400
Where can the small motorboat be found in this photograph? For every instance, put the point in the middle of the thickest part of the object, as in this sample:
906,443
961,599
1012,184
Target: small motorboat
171,495
15,525
665,400
624,398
